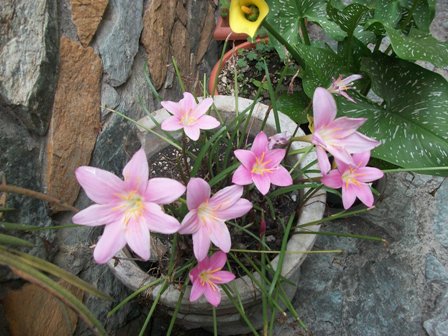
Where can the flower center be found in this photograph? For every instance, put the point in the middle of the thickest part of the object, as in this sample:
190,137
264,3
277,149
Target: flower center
132,205
187,119
350,177
206,212
209,277
251,12
259,167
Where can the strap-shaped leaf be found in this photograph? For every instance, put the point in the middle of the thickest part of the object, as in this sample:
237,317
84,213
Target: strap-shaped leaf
413,123
14,241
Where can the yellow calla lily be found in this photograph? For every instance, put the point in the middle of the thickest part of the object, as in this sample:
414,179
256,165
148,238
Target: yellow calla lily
245,16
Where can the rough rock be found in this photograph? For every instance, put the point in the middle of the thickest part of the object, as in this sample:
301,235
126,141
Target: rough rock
158,22
87,15
28,60
376,289
206,34
181,51
75,121
109,99
438,325
117,38
23,310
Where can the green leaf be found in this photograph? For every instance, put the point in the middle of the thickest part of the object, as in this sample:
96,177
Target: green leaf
413,124
11,240
349,18
294,106
284,16
418,46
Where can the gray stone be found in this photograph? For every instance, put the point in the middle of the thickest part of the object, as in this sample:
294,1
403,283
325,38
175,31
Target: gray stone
118,37
435,271
438,325
440,225
109,99
28,60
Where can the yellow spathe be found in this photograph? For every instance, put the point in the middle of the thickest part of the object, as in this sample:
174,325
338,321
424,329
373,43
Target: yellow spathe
237,16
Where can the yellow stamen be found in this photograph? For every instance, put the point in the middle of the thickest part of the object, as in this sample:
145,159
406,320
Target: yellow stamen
208,277
246,10
132,206
350,177
260,166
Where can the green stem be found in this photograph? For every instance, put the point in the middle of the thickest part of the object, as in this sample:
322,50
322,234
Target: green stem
288,46
306,38
411,12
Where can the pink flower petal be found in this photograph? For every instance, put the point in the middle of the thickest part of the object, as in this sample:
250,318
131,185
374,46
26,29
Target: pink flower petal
333,179
100,186
343,127
348,195
201,244
348,80
281,177
224,277
198,192
346,96
359,143
188,103
112,241
203,107
361,159
226,197
193,132
162,190
218,260
368,174
207,122
324,108
190,224
172,107
213,295
137,237
159,221
322,160
364,193
262,182
136,172
171,124
260,144
197,290
242,176
96,215
274,157
238,209
247,158
220,236
340,153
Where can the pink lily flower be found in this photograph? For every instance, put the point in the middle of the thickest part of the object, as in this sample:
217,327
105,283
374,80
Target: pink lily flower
340,85
336,136
189,116
353,180
129,209
261,166
206,277
207,216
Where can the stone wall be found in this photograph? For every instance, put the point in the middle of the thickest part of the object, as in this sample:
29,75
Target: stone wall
63,65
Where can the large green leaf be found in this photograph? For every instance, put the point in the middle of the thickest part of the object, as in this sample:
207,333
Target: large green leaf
349,18
418,46
284,16
294,106
413,121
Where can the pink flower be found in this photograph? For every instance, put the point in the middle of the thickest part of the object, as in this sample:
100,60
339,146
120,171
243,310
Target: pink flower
352,178
336,136
278,140
129,209
261,166
207,216
206,277
189,116
340,85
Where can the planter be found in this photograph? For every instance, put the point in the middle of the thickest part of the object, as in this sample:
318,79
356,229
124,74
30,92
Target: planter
219,65
199,313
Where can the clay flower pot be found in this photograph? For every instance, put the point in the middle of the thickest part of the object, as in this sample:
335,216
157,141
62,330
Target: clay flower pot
199,313
219,65
222,31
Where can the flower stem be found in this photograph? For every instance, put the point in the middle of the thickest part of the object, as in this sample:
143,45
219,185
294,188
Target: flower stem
306,38
35,194
184,156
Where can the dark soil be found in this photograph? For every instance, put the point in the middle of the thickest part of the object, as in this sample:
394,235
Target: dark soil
249,68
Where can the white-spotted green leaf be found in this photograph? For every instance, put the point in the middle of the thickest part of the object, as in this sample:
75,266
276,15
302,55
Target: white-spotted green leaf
349,18
294,106
413,122
284,16
418,46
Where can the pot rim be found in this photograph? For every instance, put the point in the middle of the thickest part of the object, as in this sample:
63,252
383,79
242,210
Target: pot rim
133,277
